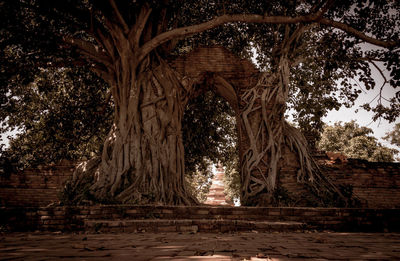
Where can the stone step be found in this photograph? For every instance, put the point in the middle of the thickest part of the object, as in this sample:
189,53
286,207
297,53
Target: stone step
182,212
74,218
217,199
111,212
216,194
190,225
219,202
218,191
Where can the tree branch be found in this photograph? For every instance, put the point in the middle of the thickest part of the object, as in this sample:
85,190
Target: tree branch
119,16
324,8
383,84
193,29
252,18
90,50
370,59
136,31
299,31
105,75
348,29
107,44
227,91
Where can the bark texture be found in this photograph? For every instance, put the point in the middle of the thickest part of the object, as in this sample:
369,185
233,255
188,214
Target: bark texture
142,160
268,135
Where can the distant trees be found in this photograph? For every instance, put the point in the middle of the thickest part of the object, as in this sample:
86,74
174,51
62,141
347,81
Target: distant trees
355,142
394,137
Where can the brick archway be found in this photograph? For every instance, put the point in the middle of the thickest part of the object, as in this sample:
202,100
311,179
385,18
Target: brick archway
221,68
229,77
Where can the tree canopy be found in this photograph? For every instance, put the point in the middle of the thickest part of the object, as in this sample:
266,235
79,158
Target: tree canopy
326,58
33,47
394,136
354,141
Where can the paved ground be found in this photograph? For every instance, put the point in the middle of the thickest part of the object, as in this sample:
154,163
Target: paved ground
200,246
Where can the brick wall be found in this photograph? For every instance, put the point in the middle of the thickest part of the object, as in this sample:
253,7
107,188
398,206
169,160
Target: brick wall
34,187
240,73
376,184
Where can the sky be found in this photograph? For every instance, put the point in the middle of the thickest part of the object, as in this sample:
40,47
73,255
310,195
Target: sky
364,118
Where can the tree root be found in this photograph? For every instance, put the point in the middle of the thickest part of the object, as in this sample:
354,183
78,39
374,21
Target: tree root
142,160
268,135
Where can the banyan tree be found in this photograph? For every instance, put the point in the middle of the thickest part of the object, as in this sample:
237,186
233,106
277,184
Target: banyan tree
156,56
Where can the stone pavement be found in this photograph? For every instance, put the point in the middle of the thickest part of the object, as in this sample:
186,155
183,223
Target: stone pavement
200,246
216,196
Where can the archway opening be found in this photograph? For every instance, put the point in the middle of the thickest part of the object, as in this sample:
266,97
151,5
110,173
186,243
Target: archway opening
210,140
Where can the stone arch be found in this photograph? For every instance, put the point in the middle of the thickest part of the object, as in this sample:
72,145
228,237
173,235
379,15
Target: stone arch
230,77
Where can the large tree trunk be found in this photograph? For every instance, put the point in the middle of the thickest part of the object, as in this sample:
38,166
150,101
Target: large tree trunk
267,137
262,125
142,160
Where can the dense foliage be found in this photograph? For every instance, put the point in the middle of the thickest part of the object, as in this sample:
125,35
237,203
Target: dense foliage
209,137
60,115
394,136
354,141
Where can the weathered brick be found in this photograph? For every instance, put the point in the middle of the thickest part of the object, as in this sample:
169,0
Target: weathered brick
202,212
